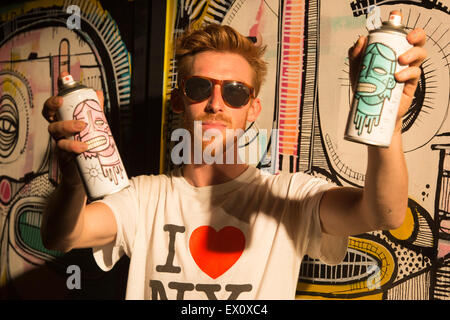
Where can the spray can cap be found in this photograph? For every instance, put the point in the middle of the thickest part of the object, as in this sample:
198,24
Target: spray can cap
66,84
395,18
394,23
67,80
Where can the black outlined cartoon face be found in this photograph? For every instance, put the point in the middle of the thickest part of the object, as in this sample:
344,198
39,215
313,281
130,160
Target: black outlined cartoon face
97,133
98,137
377,71
375,84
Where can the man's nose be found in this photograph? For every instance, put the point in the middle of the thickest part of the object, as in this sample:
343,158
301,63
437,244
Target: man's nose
215,103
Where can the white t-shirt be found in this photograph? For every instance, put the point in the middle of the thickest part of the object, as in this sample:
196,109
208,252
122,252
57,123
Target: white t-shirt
243,239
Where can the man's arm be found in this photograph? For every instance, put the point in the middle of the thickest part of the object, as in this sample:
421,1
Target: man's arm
382,203
67,221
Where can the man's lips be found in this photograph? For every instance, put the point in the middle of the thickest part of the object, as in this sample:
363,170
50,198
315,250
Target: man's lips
213,125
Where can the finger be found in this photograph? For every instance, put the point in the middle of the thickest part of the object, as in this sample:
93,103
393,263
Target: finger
51,106
410,77
101,97
413,57
411,74
60,129
355,55
357,49
417,37
72,146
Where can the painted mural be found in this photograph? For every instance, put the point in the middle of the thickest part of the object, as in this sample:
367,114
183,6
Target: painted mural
36,45
255,143
306,99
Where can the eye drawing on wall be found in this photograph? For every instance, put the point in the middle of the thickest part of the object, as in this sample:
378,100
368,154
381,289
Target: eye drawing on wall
375,84
29,70
418,268
256,144
97,135
9,121
15,99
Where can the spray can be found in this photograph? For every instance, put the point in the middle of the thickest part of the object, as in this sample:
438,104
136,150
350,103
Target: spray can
100,167
377,96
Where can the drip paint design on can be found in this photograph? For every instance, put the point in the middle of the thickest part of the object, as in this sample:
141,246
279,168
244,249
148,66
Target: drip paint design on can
375,84
100,166
377,96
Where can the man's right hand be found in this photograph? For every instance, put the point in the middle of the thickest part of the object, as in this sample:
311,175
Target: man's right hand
68,221
62,131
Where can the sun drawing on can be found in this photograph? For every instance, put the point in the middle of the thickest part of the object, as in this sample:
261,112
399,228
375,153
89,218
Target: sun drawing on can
97,135
375,84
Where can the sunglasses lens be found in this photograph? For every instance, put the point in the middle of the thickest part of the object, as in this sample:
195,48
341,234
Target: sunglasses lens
236,94
198,89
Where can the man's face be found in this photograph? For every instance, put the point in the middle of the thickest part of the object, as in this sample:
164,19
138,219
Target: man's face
213,112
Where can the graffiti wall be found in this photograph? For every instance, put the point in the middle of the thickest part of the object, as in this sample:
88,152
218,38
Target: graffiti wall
306,99
39,40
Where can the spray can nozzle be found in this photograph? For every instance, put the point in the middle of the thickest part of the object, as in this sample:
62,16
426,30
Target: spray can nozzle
67,80
395,17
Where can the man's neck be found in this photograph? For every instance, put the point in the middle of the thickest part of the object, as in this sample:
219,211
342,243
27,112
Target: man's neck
201,175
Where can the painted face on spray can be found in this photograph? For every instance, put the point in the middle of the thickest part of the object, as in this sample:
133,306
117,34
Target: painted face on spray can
377,72
375,84
97,135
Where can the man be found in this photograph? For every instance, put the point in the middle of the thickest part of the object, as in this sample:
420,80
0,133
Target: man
220,230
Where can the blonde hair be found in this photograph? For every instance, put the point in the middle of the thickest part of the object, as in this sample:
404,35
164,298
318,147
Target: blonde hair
220,38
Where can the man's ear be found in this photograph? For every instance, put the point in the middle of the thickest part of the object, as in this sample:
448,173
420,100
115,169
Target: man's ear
254,110
176,101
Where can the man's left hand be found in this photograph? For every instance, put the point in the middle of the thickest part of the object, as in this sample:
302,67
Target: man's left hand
410,76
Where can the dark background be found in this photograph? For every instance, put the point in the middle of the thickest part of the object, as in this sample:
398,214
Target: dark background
142,27
137,130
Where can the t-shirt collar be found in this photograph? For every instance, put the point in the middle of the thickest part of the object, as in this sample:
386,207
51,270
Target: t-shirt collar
218,189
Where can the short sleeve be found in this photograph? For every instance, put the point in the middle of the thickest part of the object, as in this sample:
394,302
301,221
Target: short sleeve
317,244
125,207
328,248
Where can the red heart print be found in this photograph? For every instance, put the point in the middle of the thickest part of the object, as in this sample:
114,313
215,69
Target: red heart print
216,252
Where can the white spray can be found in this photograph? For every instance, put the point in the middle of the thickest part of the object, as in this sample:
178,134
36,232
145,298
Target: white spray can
100,167
377,97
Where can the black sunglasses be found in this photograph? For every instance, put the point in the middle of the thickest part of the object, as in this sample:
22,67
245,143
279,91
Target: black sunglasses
235,94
